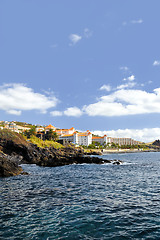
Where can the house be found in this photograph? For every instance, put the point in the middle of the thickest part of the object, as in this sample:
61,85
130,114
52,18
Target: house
50,127
11,126
102,140
65,131
39,129
23,129
82,138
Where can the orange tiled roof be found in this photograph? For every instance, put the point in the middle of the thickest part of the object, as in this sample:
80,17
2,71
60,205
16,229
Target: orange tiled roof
64,129
96,137
84,134
67,135
49,126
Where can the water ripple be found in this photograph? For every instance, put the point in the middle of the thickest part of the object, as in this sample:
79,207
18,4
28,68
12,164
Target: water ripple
84,201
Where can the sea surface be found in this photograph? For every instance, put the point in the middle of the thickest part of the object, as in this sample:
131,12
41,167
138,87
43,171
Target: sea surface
84,201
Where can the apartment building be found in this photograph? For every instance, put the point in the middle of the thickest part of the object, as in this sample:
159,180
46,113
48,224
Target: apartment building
82,138
65,131
71,136
102,140
120,141
124,141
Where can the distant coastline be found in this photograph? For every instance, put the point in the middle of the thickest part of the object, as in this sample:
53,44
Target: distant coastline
110,151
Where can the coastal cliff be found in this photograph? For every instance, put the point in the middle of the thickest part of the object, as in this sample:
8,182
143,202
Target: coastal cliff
15,150
8,166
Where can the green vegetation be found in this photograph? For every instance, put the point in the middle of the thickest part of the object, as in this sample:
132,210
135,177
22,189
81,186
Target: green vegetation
92,151
50,141
131,147
23,124
51,135
42,144
8,135
30,132
97,145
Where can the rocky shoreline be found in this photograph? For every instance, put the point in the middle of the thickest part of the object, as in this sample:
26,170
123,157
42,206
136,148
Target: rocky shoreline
15,151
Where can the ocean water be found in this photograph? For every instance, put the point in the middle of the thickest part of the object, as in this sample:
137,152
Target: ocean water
84,201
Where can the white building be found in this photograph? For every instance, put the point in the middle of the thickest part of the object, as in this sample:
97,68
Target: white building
77,138
11,126
119,141
50,127
23,129
84,138
65,131
39,129
124,141
101,140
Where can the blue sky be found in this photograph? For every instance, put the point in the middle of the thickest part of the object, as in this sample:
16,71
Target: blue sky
87,63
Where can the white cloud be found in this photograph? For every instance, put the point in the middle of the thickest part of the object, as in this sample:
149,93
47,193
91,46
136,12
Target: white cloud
70,112
139,21
127,85
106,88
143,135
73,112
74,38
16,97
56,113
156,63
87,33
14,112
130,78
125,102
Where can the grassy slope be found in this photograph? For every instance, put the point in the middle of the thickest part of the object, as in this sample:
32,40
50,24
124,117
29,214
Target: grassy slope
43,144
8,135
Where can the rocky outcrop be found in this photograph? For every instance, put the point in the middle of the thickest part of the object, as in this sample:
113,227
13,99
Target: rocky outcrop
93,152
17,151
8,167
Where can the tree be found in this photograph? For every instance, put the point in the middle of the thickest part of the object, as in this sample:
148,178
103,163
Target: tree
30,132
51,135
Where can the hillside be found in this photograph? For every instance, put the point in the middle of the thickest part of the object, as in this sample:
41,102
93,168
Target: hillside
15,150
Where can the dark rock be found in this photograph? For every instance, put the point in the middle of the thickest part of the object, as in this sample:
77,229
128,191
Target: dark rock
24,173
117,162
8,168
18,151
93,152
